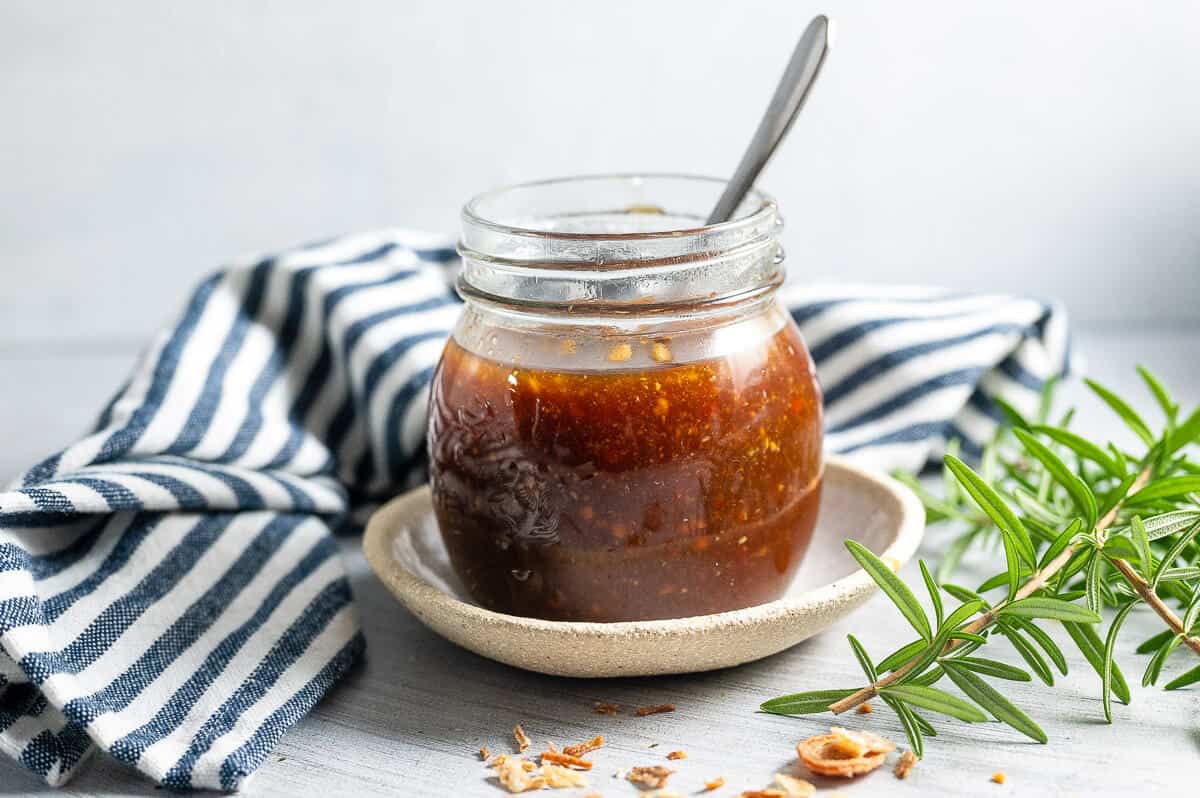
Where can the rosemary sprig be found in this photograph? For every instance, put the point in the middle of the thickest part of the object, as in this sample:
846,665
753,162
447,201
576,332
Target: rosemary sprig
1082,527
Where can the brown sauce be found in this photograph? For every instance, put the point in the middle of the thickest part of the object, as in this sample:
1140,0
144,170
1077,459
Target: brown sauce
609,495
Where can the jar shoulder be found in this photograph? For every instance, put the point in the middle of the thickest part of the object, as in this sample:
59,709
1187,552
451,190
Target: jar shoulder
574,343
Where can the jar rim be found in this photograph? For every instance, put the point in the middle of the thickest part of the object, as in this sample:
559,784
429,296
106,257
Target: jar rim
621,242
763,206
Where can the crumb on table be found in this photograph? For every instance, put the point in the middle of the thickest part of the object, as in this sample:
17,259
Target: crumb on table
559,758
521,738
652,776
584,747
904,766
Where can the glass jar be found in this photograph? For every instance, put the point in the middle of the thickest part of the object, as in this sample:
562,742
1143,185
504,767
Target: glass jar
625,423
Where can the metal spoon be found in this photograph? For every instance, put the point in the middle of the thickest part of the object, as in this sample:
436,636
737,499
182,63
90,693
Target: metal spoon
785,105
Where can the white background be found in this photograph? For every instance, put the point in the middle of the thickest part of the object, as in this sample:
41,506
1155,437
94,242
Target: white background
1045,148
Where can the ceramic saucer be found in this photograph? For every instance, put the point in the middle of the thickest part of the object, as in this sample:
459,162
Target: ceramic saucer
404,548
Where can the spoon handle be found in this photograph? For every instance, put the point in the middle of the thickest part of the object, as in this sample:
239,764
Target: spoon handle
790,94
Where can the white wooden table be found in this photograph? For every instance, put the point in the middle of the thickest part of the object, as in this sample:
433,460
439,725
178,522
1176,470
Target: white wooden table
409,721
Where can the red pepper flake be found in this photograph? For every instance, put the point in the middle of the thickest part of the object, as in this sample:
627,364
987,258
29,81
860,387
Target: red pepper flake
602,708
642,712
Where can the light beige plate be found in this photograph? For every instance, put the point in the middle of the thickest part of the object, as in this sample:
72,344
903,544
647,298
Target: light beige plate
403,546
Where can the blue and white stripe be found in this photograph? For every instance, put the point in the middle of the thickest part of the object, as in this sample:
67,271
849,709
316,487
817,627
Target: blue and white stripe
907,369
170,590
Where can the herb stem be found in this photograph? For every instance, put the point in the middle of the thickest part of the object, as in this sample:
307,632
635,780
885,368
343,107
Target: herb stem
1150,597
1035,583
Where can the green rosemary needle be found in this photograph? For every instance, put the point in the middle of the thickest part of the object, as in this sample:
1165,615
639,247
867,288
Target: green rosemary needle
1082,527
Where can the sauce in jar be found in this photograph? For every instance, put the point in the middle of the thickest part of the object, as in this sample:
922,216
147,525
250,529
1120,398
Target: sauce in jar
657,490
625,424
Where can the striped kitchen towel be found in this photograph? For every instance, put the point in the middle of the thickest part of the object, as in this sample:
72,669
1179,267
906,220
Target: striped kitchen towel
170,589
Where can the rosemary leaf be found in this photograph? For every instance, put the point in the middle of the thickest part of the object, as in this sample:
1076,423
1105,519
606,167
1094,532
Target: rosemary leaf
1159,526
963,594
1186,433
991,700
1061,542
925,726
1117,493
1178,574
1153,643
864,661
1169,408
901,656
1044,640
1015,419
1013,572
929,678
990,667
1092,648
1122,409
934,650
912,728
1192,613
1078,562
951,494
1172,555
1094,600
1046,607
994,581
1150,677
990,502
892,586
954,554
1166,489
1185,679
1122,547
1081,494
1035,509
1109,649
1119,458
804,703
1141,539
1084,448
959,617
936,701
935,595
1046,403
1028,653
935,509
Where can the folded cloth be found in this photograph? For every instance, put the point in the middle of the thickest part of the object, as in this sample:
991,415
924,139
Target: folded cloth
170,590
